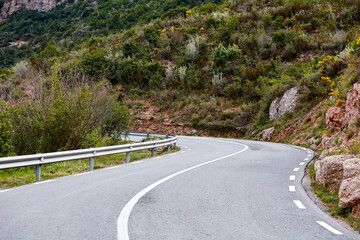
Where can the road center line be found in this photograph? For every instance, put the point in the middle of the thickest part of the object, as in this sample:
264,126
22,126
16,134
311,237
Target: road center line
292,177
299,204
330,228
122,222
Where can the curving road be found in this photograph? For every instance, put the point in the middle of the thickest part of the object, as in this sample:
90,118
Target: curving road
211,189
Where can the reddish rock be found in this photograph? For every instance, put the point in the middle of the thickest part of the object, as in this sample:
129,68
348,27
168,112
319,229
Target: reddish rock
334,117
329,171
266,134
352,103
349,195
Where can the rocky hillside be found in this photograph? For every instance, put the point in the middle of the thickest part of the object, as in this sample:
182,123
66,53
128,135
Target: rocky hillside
11,6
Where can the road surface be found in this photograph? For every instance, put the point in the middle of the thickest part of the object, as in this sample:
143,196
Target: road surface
211,189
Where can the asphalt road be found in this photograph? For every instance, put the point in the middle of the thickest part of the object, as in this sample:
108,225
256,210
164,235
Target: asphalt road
211,189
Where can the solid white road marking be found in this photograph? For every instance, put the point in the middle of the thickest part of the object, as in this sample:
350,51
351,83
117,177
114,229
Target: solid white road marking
122,222
137,162
84,173
328,227
302,163
292,188
292,177
111,167
296,169
5,190
43,182
299,204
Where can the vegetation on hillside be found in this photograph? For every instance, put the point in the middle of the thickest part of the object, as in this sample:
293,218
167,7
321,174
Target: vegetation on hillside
217,66
72,24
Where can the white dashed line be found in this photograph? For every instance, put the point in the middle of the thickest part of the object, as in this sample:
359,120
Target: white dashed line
306,159
309,155
137,162
5,190
43,182
84,173
302,163
182,152
296,169
292,177
157,158
299,204
328,227
189,149
291,188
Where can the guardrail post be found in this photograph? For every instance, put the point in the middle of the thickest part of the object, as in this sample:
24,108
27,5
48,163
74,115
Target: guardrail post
169,149
91,164
38,172
167,136
152,152
174,145
127,157
147,135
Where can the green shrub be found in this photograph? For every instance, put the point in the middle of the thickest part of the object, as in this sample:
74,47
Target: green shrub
94,62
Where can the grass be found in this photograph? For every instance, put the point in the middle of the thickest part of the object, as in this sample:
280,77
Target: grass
331,200
20,176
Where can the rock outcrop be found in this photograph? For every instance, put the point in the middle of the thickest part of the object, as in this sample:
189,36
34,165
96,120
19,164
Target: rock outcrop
330,171
341,172
11,6
334,117
266,134
349,195
287,102
352,103
351,167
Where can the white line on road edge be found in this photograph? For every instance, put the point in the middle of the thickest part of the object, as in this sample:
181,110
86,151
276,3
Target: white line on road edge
306,159
5,190
296,169
84,173
122,222
292,188
292,177
328,227
137,162
43,182
112,167
302,163
299,204
309,155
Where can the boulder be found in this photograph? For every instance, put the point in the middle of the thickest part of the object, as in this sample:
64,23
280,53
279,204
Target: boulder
334,117
266,134
352,104
349,194
351,168
329,171
287,102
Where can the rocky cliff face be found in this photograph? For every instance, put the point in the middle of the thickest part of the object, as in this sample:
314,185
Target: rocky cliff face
11,6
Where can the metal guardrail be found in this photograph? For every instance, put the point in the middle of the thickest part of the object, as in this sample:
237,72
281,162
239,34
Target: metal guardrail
46,158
